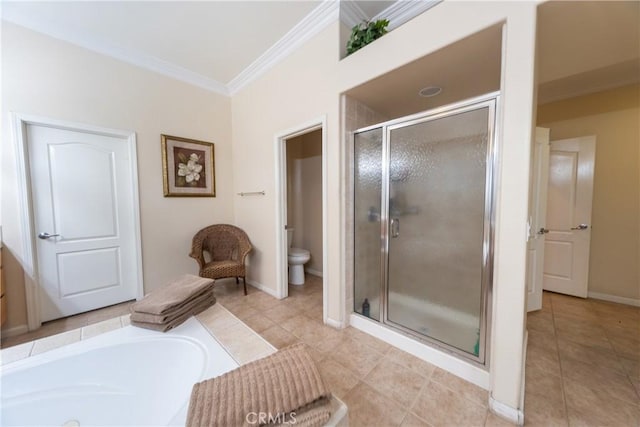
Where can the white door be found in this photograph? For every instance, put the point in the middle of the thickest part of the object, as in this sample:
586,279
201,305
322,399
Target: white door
537,218
83,193
566,260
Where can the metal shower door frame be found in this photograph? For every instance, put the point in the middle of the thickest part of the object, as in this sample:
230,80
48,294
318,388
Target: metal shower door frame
489,101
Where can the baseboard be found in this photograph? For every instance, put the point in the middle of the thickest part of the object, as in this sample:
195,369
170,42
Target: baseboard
613,298
313,272
516,416
16,330
263,288
334,323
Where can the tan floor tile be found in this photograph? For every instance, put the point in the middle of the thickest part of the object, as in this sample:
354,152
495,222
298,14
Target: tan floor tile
541,382
356,356
495,421
319,335
315,313
258,322
631,367
592,355
328,345
279,337
261,301
626,346
337,378
598,377
395,381
316,355
298,324
369,408
367,339
443,407
280,313
109,312
595,407
411,420
540,323
544,411
461,387
542,340
417,365
243,310
543,359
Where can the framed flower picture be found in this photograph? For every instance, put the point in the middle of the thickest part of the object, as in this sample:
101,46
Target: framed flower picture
188,167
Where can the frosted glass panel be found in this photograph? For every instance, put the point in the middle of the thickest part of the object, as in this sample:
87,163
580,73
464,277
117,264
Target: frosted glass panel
437,179
367,198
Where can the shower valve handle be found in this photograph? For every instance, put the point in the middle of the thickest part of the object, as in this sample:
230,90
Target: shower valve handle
395,227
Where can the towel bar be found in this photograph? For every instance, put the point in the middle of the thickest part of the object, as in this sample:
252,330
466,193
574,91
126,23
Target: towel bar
252,193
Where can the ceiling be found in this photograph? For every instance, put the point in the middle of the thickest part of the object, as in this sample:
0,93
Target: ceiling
583,45
467,68
215,39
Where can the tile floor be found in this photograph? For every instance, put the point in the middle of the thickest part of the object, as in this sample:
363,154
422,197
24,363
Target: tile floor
583,362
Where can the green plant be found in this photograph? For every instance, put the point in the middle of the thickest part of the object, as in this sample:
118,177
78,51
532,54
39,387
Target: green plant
366,32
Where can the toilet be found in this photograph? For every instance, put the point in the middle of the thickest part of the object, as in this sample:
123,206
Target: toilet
297,258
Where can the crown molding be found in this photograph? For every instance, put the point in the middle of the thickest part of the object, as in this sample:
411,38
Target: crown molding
149,62
351,14
319,18
324,14
403,10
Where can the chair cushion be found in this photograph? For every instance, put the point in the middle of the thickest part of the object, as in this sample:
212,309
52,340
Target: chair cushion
220,269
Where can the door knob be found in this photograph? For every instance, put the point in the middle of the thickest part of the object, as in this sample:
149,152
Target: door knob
543,230
580,227
45,236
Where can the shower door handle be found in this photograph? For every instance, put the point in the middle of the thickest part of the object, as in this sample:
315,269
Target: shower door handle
395,227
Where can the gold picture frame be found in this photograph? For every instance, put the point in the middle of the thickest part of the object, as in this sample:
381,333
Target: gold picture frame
188,167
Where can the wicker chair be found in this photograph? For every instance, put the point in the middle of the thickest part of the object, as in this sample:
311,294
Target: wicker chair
227,247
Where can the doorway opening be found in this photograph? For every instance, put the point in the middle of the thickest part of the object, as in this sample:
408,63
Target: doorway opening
301,216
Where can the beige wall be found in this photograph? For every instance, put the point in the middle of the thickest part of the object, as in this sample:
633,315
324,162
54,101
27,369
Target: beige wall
304,194
307,85
614,118
46,77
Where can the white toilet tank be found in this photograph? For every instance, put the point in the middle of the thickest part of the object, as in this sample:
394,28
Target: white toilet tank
289,236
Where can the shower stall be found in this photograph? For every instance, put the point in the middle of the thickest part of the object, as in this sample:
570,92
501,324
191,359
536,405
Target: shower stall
423,224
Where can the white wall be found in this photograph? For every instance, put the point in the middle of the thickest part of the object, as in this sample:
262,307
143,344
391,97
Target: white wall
46,77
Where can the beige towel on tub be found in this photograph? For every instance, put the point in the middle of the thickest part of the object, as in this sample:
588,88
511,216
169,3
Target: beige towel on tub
171,297
282,384
169,317
164,327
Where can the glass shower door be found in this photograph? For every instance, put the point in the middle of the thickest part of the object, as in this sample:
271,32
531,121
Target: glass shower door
437,244
367,222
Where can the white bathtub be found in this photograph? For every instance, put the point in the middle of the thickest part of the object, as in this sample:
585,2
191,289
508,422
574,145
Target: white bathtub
129,376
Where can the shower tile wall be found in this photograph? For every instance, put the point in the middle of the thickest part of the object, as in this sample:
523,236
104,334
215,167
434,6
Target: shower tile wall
356,116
